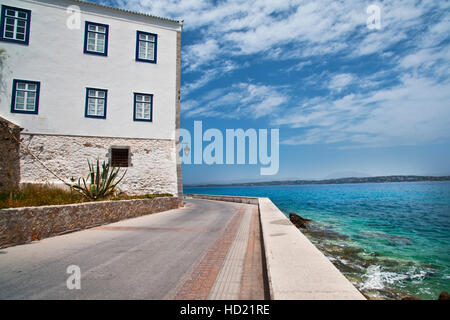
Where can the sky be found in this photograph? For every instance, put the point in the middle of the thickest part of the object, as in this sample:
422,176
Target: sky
348,100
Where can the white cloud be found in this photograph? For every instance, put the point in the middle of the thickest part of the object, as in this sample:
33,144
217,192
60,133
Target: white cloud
415,112
299,66
315,26
340,81
207,76
242,100
199,54
200,82
434,61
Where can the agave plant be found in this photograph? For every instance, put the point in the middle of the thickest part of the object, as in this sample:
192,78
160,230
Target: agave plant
102,182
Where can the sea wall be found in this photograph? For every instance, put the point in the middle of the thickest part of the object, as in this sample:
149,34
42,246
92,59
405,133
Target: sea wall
247,200
296,269
23,225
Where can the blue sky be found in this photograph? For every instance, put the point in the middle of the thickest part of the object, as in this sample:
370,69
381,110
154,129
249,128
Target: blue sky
347,100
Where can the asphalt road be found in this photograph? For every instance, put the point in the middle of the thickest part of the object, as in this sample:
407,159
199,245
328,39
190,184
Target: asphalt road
142,258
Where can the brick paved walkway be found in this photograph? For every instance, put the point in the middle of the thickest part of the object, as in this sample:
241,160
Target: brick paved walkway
228,282
232,266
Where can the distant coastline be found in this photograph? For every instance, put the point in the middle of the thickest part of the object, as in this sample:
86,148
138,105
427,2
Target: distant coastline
379,179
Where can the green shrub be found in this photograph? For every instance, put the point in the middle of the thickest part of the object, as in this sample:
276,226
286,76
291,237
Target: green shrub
101,181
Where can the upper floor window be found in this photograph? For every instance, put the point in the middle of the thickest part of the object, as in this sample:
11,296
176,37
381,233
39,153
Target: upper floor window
96,100
146,44
96,38
15,25
143,105
25,96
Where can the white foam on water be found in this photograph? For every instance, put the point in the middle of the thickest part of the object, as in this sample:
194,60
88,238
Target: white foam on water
416,275
376,278
425,291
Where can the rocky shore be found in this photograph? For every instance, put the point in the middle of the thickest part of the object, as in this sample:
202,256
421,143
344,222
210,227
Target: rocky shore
375,275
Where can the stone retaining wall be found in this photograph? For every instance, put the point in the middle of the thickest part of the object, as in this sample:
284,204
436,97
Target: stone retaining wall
23,225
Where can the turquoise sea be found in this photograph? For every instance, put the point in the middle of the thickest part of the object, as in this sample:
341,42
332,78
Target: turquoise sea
391,240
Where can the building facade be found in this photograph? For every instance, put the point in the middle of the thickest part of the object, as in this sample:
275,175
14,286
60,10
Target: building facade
85,81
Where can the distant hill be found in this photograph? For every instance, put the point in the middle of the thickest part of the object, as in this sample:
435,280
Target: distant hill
333,181
345,174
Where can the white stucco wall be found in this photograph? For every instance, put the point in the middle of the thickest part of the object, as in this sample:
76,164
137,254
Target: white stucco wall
55,57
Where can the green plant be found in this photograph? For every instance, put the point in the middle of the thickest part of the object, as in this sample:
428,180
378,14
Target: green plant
102,181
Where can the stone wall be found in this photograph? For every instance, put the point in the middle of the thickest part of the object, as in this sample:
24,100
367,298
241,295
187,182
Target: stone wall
23,225
238,199
153,162
9,155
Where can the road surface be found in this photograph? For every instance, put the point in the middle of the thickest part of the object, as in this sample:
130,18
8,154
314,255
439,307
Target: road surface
206,250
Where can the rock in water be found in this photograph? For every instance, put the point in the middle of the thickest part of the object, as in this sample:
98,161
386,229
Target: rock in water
444,296
298,221
410,298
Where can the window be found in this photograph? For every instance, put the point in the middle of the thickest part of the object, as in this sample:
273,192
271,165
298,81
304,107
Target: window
120,157
143,107
146,44
96,38
25,96
15,25
96,103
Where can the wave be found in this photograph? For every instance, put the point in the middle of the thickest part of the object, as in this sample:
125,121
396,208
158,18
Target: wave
377,277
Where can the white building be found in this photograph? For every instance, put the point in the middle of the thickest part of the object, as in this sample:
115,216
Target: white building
102,82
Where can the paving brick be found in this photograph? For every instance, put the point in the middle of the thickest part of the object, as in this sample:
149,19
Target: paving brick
213,258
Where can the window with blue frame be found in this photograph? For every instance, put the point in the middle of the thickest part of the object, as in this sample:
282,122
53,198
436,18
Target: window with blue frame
146,45
143,107
96,100
25,96
15,25
96,38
